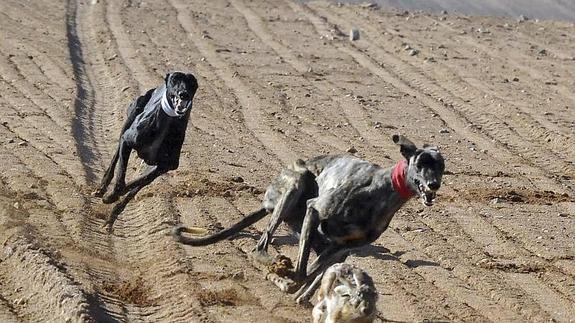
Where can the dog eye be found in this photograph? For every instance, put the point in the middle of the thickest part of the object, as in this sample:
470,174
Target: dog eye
424,160
184,96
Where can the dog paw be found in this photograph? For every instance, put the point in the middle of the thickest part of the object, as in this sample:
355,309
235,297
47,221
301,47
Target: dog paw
98,193
304,301
110,198
108,226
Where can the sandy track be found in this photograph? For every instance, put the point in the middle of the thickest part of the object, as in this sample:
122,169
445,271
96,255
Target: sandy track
279,81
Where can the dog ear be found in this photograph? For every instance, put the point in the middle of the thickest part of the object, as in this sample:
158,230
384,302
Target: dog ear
192,79
407,148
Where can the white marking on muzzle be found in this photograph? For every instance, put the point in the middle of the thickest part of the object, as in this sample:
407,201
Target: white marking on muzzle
166,106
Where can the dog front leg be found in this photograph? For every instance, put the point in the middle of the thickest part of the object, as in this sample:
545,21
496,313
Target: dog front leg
333,254
120,184
108,175
310,223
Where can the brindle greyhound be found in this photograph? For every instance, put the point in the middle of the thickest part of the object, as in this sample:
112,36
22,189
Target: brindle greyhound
155,128
336,203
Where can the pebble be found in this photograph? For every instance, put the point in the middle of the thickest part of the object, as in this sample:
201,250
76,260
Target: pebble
8,251
413,52
443,130
351,150
354,34
238,179
563,215
20,301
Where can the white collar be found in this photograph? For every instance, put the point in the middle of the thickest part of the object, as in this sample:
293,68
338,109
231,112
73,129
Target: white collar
166,106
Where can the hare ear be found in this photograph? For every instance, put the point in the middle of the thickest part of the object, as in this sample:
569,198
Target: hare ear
342,290
407,148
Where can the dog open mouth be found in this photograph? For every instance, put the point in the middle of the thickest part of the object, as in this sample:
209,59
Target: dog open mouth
427,195
180,112
182,107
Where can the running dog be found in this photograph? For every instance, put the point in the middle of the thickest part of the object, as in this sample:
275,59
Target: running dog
336,203
155,128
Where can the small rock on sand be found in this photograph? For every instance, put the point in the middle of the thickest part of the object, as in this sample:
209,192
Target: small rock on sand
354,34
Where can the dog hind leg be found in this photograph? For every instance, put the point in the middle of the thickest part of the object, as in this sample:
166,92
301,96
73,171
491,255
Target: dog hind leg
124,154
282,209
134,109
120,206
148,176
292,185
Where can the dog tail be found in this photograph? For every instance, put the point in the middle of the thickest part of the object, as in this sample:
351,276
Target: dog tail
219,236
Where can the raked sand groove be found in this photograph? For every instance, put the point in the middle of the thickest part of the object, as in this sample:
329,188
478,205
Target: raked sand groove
280,80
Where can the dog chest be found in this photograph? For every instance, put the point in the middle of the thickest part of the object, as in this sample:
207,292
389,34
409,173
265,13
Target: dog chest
149,144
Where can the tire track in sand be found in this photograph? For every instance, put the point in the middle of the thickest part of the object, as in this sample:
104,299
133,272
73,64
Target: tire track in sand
565,91
8,313
32,278
88,129
354,113
249,101
84,100
468,92
139,234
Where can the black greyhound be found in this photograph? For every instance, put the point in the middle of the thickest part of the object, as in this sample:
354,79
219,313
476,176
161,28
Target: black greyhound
155,128
336,203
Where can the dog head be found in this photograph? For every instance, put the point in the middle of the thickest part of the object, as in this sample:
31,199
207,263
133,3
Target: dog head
180,91
425,167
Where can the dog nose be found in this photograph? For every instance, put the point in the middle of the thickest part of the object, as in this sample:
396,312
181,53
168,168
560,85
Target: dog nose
434,185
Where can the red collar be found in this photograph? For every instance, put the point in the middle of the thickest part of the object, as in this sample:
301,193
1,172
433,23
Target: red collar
398,180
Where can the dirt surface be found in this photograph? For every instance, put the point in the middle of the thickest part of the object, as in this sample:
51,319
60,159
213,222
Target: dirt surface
280,81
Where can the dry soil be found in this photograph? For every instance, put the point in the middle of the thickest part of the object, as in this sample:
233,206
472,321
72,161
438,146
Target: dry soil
278,81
